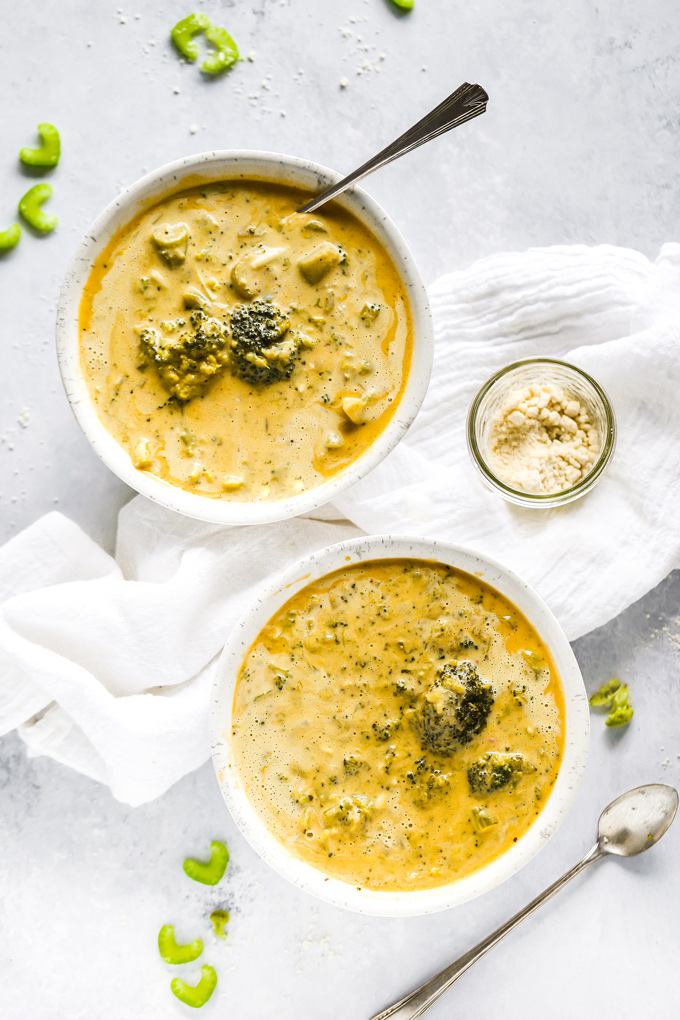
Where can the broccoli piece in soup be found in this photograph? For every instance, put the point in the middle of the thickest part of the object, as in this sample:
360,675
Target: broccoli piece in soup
315,265
384,731
454,709
494,770
427,782
353,764
186,359
482,820
260,350
353,812
171,242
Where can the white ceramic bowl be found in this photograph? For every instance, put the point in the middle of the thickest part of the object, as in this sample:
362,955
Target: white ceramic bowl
577,726
231,165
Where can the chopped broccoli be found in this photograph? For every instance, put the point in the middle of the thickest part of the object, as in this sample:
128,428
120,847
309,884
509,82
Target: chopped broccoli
317,263
621,712
467,642
171,242
259,354
353,811
427,782
482,820
494,770
519,693
454,709
369,313
404,689
186,361
352,764
390,755
385,730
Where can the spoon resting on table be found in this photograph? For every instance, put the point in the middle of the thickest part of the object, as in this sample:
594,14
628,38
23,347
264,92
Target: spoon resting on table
466,102
627,827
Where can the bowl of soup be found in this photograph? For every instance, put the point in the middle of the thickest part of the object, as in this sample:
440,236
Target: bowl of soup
398,725
232,358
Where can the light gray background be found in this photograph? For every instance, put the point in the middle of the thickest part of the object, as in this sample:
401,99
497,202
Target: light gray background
580,143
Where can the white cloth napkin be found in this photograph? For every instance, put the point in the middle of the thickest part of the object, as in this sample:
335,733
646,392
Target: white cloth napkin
106,662
616,315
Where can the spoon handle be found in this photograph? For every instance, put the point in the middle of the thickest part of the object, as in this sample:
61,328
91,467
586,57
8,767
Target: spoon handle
415,1004
466,102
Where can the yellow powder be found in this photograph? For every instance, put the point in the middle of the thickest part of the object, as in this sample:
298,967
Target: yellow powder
542,440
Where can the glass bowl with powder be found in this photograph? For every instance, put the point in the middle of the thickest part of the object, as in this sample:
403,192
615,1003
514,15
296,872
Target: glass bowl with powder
541,432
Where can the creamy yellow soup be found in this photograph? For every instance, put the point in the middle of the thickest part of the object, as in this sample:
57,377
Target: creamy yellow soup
240,350
398,724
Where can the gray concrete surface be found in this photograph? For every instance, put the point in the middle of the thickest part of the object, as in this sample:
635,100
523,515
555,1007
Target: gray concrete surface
580,143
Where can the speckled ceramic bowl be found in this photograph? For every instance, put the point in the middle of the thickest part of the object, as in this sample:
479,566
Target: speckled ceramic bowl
577,726
215,166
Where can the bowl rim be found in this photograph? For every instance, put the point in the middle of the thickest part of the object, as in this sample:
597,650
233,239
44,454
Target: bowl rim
577,724
230,164
537,499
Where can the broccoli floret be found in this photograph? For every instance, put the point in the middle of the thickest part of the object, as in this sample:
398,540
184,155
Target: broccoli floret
385,730
405,690
454,709
427,781
259,352
494,770
188,360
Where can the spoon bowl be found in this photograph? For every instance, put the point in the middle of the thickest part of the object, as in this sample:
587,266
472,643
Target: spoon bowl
637,819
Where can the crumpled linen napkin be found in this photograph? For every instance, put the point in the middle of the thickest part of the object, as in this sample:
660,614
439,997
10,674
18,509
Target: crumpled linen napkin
106,662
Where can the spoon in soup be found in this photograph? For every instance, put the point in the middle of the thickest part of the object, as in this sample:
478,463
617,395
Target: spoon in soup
627,827
466,102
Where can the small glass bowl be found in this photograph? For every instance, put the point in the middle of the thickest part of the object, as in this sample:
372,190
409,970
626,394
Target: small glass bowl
519,375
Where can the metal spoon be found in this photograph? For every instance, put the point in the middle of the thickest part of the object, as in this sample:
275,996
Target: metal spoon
466,102
631,824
